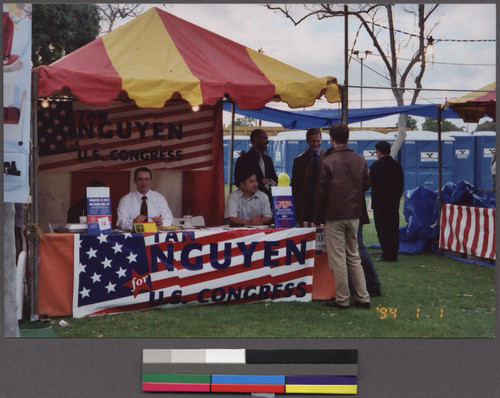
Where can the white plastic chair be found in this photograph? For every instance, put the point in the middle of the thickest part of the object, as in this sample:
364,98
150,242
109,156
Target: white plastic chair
196,221
20,273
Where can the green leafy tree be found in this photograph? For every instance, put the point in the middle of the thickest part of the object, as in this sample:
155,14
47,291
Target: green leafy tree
487,126
59,29
430,124
244,121
411,124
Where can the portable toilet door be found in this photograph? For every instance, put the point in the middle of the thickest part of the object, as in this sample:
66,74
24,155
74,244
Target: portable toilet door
276,153
288,145
419,159
364,141
225,148
325,141
241,143
271,148
485,143
463,156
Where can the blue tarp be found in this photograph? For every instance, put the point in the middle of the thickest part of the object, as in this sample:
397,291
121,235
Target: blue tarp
421,211
296,119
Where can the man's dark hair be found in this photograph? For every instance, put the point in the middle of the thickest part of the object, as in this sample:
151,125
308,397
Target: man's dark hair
312,131
339,132
384,147
244,175
143,169
255,133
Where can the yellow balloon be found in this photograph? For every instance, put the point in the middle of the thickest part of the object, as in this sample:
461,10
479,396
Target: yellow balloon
283,180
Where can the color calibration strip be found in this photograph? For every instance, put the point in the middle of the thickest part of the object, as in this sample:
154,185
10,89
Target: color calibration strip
250,371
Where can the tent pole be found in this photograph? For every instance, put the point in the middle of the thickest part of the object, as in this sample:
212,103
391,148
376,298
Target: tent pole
440,160
33,230
230,172
346,68
440,166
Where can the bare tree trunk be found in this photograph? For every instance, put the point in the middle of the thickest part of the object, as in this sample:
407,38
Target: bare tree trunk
400,138
11,328
387,49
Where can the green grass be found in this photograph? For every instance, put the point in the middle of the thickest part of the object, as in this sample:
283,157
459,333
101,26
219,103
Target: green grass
451,299
426,295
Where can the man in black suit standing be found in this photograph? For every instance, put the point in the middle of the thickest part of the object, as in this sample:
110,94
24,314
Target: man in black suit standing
304,176
257,162
387,181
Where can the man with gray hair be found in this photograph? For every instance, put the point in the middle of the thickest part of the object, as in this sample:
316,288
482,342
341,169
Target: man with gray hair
343,179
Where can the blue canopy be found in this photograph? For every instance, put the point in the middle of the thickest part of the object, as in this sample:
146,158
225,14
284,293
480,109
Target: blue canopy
294,119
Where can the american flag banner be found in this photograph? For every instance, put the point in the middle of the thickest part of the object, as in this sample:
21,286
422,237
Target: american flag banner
469,230
128,272
73,136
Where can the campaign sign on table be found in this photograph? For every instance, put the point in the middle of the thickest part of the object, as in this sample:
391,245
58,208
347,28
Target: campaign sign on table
126,272
284,210
98,210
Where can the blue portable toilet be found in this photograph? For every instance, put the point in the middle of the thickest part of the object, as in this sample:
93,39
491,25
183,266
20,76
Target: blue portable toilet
241,143
364,141
463,156
485,143
271,148
419,159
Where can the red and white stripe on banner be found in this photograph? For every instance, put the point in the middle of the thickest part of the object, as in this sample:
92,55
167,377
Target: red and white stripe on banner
469,230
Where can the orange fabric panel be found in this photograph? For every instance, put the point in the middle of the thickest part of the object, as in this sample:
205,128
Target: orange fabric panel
55,275
323,287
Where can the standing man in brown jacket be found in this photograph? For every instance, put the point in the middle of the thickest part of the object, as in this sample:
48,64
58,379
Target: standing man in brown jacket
305,175
343,179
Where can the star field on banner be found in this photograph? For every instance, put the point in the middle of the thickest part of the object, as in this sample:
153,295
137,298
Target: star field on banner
73,136
126,272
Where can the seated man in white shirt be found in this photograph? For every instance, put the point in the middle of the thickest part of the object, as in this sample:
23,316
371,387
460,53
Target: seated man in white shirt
144,204
247,205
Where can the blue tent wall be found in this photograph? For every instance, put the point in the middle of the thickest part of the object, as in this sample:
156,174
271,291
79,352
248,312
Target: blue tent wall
298,120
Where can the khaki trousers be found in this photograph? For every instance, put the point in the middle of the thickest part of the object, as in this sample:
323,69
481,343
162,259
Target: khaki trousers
343,258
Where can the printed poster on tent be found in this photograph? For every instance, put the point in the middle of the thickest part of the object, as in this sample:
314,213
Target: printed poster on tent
16,100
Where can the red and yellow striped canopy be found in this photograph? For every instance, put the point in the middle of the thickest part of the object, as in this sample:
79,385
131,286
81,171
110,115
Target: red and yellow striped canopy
474,105
157,57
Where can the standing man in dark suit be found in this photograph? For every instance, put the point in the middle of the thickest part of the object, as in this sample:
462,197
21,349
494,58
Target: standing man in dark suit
387,181
304,176
257,162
